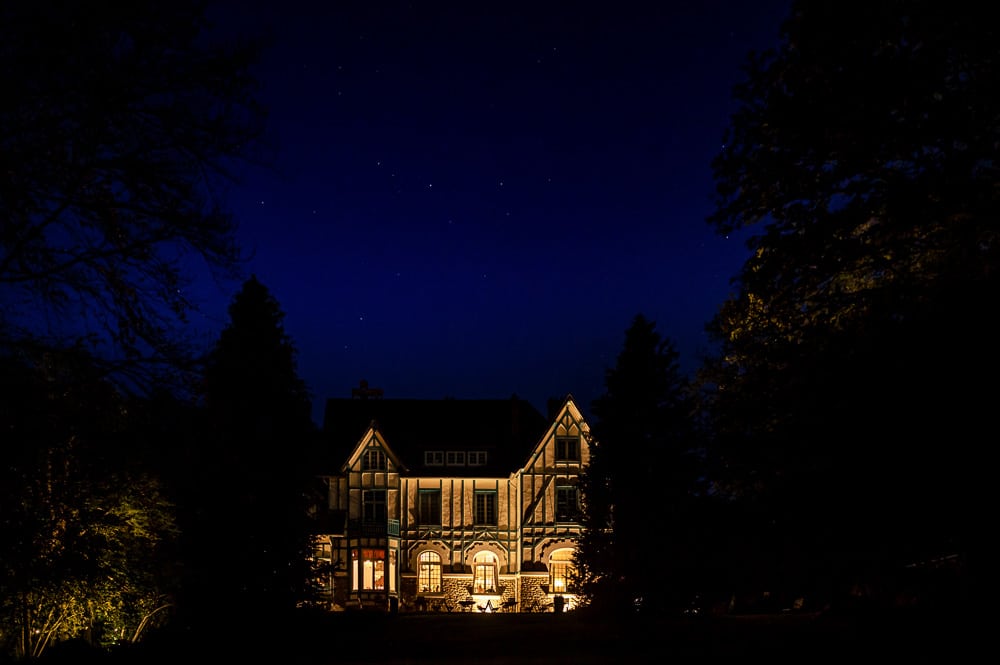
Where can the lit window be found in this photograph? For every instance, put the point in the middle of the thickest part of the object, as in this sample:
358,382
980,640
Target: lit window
322,550
567,504
486,508
455,458
568,449
374,506
433,457
484,569
429,507
561,571
322,569
477,458
373,460
392,571
429,573
368,568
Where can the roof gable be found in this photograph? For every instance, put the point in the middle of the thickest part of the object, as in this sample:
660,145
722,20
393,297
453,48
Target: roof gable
372,440
568,421
505,429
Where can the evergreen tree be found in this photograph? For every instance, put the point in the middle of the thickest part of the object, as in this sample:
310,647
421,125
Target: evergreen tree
250,537
641,480
846,399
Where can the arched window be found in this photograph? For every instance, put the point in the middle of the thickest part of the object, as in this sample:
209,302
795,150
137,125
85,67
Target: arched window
561,571
429,573
484,569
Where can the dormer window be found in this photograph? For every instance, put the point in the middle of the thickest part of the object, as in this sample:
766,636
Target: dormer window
455,458
433,458
477,458
373,460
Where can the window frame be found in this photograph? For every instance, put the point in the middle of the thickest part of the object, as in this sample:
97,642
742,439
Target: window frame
561,570
454,458
429,571
485,578
569,513
421,517
476,458
371,502
368,569
433,458
375,455
567,449
485,514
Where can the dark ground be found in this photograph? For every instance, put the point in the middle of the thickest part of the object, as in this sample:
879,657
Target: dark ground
356,638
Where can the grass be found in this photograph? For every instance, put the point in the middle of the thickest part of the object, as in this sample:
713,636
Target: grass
527,639
354,638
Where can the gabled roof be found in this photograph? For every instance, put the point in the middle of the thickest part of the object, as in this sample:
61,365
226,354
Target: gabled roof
506,429
569,417
373,437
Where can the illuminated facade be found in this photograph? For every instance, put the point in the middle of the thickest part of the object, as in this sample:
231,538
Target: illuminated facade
451,505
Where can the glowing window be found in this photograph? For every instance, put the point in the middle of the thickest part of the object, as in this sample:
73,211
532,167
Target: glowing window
429,573
484,569
392,571
368,568
322,568
561,571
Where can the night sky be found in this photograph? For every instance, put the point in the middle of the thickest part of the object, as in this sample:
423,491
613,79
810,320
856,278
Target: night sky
475,199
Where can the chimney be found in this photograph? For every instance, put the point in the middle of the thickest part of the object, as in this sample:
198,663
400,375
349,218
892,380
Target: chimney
364,392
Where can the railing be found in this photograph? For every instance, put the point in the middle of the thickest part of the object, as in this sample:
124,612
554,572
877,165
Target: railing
367,529
374,529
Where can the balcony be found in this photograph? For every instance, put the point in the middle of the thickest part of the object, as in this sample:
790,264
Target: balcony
374,529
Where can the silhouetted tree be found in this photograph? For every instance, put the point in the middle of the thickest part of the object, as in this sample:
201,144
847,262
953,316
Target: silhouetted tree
640,484
85,527
846,395
119,127
249,536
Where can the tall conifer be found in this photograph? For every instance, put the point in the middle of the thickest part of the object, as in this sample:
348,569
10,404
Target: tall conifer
252,534
639,483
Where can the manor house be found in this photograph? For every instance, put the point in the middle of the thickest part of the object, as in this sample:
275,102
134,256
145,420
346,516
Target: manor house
451,504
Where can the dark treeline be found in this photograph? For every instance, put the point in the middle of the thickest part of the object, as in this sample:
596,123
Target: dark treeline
828,455
131,493
839,426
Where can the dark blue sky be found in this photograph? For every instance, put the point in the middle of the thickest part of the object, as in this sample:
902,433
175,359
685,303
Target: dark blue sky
475,199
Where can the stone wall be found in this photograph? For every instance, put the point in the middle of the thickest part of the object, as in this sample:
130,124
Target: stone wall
533,596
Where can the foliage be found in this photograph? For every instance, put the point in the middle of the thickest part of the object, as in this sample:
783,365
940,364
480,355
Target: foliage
886,202
252,472
119,128
845,398
642,479
84,530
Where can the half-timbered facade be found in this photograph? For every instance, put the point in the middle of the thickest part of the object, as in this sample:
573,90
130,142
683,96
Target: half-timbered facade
451,505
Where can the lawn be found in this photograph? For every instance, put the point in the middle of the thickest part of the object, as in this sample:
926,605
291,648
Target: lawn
356,638
577,638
